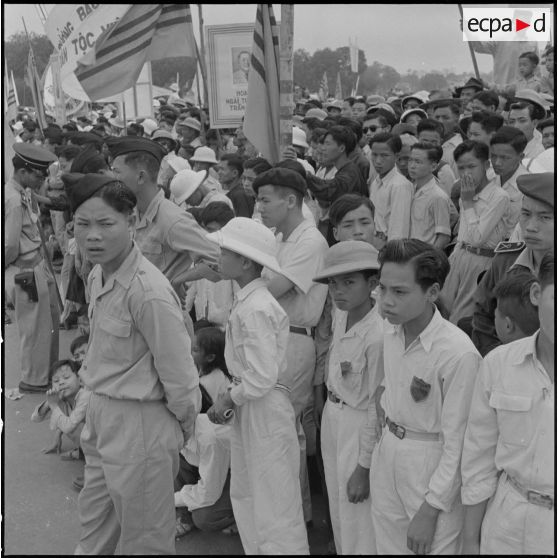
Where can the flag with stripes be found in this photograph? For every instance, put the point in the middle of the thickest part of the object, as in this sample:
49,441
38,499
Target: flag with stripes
10,98
34,83
323,92
261,119
338,88
145,32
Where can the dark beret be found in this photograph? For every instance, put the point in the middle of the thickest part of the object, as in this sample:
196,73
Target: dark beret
539,186
83,157
82,138
131,144
80,187
34,156
280,177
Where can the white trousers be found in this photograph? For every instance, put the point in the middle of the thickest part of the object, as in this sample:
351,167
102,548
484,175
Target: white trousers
399,478
301,361
512,525
351,523
265,487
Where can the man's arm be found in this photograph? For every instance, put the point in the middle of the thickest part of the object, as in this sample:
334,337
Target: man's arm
347,180
12,229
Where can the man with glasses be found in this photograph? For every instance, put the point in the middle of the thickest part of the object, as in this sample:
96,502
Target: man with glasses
28,282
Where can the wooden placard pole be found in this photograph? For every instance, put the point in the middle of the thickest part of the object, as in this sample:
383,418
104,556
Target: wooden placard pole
286,100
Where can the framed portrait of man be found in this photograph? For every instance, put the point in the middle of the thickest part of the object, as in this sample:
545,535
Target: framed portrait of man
228,58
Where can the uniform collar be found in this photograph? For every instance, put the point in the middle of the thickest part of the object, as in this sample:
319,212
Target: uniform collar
526,259
248,289
125,273
16,185
364,326
513,178
153,207
428,186
528,349
427,336
389,176
484,194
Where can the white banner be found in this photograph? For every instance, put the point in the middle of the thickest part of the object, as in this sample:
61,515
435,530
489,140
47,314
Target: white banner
74,28
72,105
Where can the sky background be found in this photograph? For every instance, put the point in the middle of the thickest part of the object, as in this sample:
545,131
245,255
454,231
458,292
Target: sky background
406,36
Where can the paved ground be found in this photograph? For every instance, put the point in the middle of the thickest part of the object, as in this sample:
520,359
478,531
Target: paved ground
40,506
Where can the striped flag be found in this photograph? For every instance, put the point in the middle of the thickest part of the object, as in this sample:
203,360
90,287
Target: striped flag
34,83
262,116
145,32
323,92
10,99
338,88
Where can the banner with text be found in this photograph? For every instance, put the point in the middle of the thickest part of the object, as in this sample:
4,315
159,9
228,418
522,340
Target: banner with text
229,49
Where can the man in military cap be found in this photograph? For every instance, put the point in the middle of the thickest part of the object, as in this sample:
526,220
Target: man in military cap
29,284
536,221
188,130
167,236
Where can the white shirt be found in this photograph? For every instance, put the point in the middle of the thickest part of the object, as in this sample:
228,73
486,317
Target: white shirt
391,196
484,224
209,450
534,147
448,147
212,300
445,358
215,383
516,197
256,342
511,424
301,257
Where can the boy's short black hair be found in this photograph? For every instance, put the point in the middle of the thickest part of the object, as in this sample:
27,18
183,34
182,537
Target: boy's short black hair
488,99
546,270
70,152
212,341
318,135
531,56
74,366
352,124
218,212
393,141
346,203
431,264
430,125
546,123
488,120
342,135
478,149
234,162
510,136
350,100
433,152
452,105
78,342
257,164
514,301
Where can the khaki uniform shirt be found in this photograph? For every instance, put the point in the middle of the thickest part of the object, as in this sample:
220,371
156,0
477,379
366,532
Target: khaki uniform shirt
430,212
170,238
138,347
511,425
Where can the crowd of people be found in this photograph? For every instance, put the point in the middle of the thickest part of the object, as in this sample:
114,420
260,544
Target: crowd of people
373,314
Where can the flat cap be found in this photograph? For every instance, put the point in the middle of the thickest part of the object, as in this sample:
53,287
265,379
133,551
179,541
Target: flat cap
131,144
34,156
540,103
80,187
280,177
472,83
539,186
82,138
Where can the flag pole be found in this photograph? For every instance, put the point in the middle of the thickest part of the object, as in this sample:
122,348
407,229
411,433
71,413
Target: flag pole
201,57
473,56
30,85
286,76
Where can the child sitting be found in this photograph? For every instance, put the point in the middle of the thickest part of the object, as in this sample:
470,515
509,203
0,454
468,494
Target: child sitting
515,317
78,348
66,404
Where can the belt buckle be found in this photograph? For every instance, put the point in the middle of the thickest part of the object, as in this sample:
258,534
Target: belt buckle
397,430
539,499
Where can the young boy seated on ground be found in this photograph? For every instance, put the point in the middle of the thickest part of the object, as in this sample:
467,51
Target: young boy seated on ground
66,403
78,348
516,316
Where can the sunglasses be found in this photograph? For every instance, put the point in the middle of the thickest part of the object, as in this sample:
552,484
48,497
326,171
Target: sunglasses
371,128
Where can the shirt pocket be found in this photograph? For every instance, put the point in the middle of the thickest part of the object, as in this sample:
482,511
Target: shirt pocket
153,251
514,418
116,338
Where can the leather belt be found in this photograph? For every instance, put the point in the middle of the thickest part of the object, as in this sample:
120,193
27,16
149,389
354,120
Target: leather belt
532,496
401,432
31,264
487,252
303,330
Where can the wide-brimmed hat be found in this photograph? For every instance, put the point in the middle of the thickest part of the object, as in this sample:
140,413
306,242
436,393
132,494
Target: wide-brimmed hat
299,137
375,100
184,183
163,134
347,257
117,122
316,113
249,239
408,112
472,83
204,154
531,96
421,96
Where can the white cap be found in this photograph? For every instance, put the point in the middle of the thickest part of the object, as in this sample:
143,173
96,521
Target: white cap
116,122
185,183
204,154
156,103
149,126
249,239
178,163
413,111
18,126
299,137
